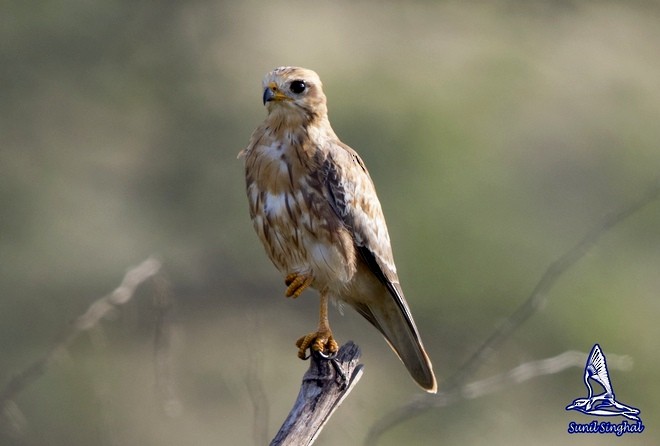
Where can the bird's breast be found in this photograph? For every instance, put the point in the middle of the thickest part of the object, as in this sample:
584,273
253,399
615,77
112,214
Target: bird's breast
292,216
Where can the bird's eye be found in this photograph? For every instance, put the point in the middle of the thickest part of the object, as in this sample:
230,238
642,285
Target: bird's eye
297,87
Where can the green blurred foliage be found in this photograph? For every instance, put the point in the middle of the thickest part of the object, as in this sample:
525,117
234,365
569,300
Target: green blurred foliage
497,133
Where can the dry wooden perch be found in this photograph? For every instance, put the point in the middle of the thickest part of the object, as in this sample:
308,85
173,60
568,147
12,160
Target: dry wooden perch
324,387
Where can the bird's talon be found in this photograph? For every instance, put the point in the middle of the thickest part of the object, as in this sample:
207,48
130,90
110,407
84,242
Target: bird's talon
320,341
296,284
289,279
331,355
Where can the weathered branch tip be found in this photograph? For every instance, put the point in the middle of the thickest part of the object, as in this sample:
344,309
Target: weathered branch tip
324,386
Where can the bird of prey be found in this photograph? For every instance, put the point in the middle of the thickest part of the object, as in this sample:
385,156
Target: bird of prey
605,403
315,209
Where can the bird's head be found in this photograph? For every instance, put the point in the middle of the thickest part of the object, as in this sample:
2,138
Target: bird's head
294,95
580,404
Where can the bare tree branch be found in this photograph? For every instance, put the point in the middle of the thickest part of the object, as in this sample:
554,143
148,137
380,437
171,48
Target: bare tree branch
163,339
96,311
255,386
324,387
531,305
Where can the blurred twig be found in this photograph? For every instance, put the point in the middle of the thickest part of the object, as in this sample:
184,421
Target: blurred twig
483,387
163,339
534,301
96,311
255,387
324,387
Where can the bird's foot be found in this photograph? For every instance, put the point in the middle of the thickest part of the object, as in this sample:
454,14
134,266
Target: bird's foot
320,341
297,283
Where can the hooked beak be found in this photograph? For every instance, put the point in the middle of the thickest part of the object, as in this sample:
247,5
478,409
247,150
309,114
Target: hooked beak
268,95
272,93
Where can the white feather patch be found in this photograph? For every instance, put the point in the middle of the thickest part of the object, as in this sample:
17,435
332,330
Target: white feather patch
275,204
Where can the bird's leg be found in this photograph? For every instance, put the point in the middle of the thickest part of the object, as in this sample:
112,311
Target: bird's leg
321,340
296,284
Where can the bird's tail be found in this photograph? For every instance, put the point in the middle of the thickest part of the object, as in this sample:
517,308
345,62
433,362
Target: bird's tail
392,317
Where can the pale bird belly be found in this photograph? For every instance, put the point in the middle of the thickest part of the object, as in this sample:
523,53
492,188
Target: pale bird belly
299,241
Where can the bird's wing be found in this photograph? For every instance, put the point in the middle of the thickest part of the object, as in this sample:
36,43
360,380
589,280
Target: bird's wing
597,368
352,195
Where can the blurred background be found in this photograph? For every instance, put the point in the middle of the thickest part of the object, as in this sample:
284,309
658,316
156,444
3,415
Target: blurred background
498,133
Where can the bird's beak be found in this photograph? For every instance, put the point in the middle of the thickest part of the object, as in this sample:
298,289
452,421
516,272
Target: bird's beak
272,93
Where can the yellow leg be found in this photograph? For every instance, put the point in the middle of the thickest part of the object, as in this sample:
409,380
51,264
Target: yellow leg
296,284
321,340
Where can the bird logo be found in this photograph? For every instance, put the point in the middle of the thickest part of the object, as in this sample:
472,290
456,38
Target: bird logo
605,403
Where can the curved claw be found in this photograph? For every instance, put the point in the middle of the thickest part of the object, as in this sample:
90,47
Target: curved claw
319,341
330,355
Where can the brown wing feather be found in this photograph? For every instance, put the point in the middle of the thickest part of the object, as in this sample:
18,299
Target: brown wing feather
352,196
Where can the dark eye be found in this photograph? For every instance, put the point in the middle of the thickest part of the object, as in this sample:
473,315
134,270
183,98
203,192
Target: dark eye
297,87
